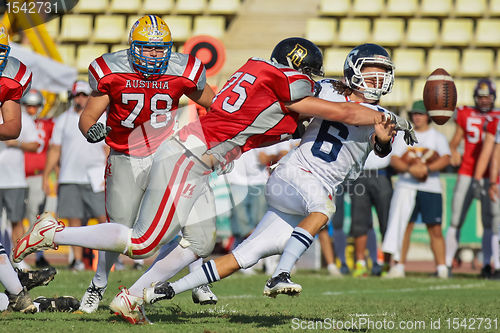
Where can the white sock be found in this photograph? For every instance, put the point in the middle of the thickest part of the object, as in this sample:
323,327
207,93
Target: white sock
171,259
299,242
105,236
442,268
206,274
195,264
105,261
8,276
451,245
400,267
4,302
495,249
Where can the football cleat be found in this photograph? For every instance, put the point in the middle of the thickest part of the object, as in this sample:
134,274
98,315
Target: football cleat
203,295
57,304
360,270
21,302
90,300
32,279
40,236
394,273
158,291
333,270
129,307
281,284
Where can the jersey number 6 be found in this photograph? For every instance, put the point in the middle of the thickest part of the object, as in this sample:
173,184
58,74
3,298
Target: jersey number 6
325,136
155,121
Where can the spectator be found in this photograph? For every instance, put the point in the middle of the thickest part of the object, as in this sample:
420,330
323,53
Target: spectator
32,103
82,165
417,192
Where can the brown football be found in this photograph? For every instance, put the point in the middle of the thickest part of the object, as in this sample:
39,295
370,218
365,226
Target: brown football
440,96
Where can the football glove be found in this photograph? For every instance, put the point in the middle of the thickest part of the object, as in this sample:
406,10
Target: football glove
403,125
97,132
477,189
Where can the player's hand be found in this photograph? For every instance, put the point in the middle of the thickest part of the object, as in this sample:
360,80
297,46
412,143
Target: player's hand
385,131
477,189
97,132
456,158
403,125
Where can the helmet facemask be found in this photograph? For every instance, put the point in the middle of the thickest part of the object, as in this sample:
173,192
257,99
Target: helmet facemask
147,65
383,80
4,53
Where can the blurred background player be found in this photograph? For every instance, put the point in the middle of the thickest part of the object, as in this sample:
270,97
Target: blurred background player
372,188
417,192
471,123
482,186
141,87
80,181
32,103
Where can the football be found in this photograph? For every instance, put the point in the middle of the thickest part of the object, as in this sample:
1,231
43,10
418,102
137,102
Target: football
440,96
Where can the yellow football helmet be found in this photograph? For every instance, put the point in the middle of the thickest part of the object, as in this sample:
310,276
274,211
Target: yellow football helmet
150,45
4,47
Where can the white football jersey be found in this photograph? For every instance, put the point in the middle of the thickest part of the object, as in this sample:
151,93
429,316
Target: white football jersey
331,150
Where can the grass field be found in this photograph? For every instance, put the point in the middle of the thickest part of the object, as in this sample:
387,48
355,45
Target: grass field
401,305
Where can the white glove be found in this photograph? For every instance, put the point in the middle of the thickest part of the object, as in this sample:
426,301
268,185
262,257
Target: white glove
403,125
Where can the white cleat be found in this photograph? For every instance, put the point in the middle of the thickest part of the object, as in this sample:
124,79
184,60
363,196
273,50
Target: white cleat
40,236
394,273
90,300
203,295
333,270
281,284
129,307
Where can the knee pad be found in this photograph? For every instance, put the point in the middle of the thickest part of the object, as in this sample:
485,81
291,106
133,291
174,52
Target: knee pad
202,247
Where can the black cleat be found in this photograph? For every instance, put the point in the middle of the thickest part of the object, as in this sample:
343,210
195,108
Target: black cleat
32,279
21,302
157,292
486,271
281,284
57,304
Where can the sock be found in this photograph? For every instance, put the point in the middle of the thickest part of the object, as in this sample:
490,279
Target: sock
106,237
339,244
400,267
442,268
105,261
371,245
206,274
171,259
195,264
451,245
495,251
486,244
8,276
4,302
299,242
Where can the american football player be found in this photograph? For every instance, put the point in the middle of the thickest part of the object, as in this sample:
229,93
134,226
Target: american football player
471,123
260,104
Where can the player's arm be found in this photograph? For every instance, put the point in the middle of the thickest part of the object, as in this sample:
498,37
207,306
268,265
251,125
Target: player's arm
24,146
439,164
11,114
399,164
345,112
484,156
203,97
96,105
456,159
53,155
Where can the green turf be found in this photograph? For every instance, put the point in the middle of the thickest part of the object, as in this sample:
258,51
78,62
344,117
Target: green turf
242,308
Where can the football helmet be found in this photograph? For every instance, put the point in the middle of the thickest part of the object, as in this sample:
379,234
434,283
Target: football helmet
484,88
150,34
4,47
33,98
300,54
374,55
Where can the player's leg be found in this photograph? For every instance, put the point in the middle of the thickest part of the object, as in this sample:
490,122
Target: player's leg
268,238
462,198
35,205
361,221
339,236
18,297
495,209
487,216
16,208
295,191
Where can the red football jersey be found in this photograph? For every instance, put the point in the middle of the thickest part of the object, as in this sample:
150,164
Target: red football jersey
473,123
34,162
142,112
249,111
15,80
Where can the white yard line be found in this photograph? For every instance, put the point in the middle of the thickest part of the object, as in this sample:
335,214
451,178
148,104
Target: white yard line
407,290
